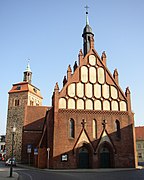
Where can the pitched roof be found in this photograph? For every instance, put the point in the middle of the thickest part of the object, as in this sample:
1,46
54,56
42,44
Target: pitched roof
139,133
25,86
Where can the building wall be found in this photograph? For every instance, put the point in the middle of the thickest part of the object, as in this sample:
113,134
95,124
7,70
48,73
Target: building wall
17,103
32,131
140,150
15,117
64,144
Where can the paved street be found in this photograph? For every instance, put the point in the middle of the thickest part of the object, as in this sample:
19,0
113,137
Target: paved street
26,173
81,175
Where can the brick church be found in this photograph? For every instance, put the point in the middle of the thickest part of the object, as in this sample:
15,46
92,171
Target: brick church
90,123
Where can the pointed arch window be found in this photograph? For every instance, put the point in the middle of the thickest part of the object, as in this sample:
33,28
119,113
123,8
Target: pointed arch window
72,128
118,132
94,129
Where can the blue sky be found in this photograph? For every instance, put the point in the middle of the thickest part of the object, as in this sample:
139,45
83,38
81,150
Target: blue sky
49,34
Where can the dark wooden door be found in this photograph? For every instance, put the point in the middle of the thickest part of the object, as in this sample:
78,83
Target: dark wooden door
83,158
105,158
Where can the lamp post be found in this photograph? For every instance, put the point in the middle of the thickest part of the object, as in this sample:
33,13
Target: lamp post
11,167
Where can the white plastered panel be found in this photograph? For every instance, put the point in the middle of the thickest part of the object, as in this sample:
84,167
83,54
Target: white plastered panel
84,74
101,75
89,104
80,104
97,105
88,90
80,89
62,103
92,74
114,92
105,90
123,106
97,90
71,90
106,105
71,103
114,105
92,60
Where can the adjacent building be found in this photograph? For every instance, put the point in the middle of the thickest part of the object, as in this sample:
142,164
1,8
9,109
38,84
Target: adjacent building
22,97
140,144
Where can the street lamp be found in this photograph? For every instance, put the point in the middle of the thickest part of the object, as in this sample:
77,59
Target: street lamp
11,167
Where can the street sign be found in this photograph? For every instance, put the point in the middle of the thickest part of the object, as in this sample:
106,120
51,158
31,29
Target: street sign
29,147
35,151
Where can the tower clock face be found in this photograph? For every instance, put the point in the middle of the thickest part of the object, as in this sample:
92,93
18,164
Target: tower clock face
92,60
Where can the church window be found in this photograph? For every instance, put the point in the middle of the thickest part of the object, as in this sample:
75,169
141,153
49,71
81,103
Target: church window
72,128
94,129
118,133
17,102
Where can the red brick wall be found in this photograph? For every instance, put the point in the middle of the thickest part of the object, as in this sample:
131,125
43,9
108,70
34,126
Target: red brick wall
124,155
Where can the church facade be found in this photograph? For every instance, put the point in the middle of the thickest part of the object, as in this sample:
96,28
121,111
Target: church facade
90,123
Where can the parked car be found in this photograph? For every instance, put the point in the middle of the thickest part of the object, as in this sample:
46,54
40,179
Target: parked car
8,162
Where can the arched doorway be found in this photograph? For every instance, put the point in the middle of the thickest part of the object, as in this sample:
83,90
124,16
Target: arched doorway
83,158
106,157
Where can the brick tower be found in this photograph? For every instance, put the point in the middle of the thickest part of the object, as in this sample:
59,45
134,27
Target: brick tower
21,95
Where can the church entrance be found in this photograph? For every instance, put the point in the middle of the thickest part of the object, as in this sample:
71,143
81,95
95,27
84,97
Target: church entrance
83,158
106,156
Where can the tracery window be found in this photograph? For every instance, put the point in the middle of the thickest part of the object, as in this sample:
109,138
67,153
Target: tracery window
118,132
72,128
94,129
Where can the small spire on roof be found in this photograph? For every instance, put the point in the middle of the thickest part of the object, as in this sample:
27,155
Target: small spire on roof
28,69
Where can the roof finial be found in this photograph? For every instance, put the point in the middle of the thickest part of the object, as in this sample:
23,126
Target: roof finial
28,69
86,7
87,21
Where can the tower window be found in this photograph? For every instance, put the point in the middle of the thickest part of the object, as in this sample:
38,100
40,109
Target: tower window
18,87
35,90
17,102
118,132
72,128
31,103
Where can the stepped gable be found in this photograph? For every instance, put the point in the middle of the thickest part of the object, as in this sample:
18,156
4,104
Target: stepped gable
92,86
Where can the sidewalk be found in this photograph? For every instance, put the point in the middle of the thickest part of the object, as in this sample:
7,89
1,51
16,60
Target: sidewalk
4,175
79,170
